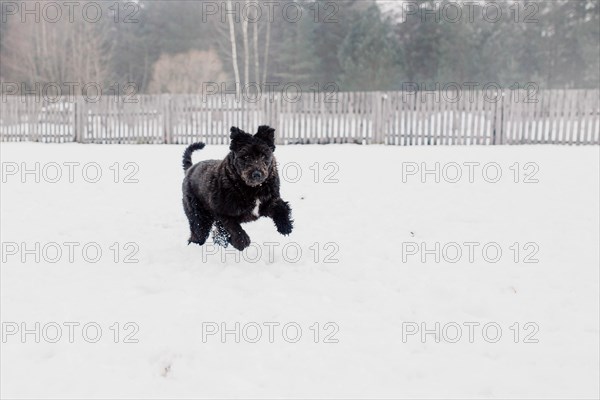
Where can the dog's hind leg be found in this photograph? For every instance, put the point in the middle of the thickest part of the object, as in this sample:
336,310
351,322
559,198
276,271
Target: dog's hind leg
199,218
220,235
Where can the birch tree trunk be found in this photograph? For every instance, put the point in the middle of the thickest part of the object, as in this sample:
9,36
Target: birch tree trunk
246,49
236,70
267,44
256,60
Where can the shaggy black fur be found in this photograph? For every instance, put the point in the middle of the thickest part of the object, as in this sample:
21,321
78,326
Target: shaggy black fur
225,192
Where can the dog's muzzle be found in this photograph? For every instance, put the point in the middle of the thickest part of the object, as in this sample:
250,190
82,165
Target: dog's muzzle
256,178
256,175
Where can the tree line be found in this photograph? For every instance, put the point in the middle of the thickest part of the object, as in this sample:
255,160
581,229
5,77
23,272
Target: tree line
192,46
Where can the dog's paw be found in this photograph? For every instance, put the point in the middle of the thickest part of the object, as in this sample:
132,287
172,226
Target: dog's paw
285,228
194,240
240,241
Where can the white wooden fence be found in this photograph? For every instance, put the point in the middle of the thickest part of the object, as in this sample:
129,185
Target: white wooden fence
397,118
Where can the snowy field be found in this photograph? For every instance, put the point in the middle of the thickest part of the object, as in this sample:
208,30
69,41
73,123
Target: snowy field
125,308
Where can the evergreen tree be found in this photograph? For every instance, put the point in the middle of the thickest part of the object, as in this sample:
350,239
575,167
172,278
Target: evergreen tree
369,55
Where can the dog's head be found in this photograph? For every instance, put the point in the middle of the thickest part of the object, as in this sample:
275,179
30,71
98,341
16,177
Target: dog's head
253,155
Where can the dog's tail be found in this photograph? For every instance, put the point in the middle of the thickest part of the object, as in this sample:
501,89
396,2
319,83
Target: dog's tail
187,154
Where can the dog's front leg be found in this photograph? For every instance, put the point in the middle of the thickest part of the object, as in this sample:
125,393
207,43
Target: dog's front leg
239,238
281,213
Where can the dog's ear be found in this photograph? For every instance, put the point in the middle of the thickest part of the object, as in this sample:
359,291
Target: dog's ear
235,132
266,134
238,138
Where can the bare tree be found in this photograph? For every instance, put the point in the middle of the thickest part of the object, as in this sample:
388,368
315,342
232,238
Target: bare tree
35,52
267,45
225,44
91,51
236,69
256,59
246,48
57,52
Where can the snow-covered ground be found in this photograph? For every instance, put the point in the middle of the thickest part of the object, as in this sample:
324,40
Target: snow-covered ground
350,308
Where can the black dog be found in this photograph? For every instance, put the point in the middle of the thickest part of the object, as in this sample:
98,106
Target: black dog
241,188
